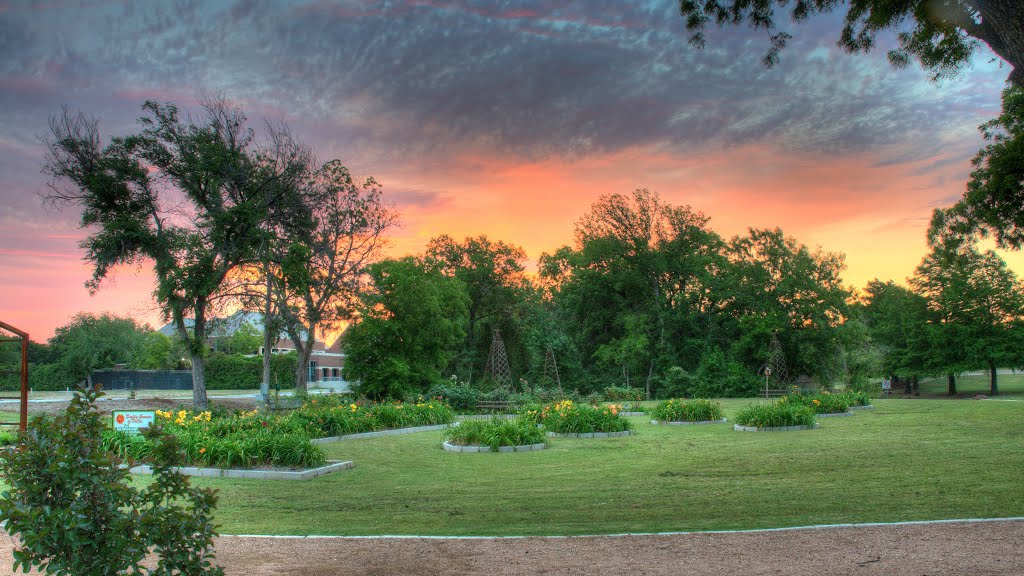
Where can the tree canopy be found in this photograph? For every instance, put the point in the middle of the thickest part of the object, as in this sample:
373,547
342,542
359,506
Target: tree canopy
941,35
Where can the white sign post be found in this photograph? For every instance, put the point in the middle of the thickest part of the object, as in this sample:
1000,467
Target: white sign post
131,421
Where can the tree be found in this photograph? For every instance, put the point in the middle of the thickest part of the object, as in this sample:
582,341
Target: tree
247,339
977,298
898,320
91,342
994,200
187,194
494,276
161,352
407,329
323,260
943,37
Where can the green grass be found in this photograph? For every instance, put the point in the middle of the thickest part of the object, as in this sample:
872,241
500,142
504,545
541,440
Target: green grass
905,460
1010,385
10,417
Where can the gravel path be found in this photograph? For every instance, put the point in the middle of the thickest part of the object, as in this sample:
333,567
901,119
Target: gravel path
953,549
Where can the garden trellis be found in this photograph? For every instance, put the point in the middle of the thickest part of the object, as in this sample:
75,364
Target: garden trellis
20,336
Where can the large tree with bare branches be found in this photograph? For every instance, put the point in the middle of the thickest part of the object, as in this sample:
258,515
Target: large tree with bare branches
187,194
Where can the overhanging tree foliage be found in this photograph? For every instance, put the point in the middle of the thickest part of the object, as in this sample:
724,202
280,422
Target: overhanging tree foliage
186,193
941,35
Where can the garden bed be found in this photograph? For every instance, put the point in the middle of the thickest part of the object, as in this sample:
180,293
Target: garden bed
741,428
255,474
476,448
687,422
590,434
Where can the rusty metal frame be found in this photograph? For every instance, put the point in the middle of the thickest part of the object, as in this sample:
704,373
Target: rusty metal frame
23,337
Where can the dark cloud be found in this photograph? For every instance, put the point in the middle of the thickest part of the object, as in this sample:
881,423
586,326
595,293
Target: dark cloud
420,199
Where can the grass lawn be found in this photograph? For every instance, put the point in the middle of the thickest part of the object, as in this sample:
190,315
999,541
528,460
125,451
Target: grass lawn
905,460
1010,385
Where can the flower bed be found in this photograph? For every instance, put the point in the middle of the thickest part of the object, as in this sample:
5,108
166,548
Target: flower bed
823,403
494,435
332,416
567,417
776,415
687,412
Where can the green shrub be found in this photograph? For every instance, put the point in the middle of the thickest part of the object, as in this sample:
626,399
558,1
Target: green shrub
8,437
496,432
856,398
237,372
776,415
677,410
568,417
823,403
624,394
73,511
459,397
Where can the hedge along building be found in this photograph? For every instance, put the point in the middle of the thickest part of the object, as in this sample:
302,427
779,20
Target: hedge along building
325,362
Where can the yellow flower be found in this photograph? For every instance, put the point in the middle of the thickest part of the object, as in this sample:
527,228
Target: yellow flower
817,402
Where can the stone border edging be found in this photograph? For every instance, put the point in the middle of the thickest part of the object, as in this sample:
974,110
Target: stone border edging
687,422
740,428
449,447
460,417
834,415
632,413
591,434
332,466
378,433
868,407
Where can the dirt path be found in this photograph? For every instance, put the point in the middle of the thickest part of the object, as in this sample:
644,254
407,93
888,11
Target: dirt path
955,549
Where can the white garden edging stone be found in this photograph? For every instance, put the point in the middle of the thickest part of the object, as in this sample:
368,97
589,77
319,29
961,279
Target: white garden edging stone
591,434
740,428
686,422
834,415
449,447
868,407
332,466
632,413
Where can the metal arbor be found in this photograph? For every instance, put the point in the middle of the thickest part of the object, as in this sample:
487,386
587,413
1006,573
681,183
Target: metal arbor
22,337
551,367
776,377
497,362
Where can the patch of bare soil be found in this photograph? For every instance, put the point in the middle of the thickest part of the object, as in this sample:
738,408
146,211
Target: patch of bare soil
954,549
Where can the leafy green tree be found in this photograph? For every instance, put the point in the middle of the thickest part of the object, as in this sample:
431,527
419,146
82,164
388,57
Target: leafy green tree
91,342
942,36
898,320
323,259
408,328
493,273
247,339
994,200
188,194
75,513
978,298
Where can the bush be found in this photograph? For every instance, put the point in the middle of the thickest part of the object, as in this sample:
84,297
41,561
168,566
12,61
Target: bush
73,511
676,410
458,396
775,415
624,394
823,403
856,398
568,417
237,372
496,432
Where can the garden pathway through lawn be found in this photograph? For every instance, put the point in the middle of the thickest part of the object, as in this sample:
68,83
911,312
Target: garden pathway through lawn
989,548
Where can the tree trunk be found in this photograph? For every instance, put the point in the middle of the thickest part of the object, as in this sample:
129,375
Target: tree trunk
650,372
993,388
1002,28
951,379
268,342
914,387
199,400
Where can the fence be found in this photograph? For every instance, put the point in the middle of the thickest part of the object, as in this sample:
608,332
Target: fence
143,379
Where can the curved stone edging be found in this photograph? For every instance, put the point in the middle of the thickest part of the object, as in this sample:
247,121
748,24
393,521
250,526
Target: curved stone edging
632,413
740,428
332,466
834,415
591,434
449,447
687,422
868,407
378,433
461,417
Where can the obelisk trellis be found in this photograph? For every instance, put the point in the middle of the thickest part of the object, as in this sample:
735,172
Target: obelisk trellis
551,367
776,379
497,362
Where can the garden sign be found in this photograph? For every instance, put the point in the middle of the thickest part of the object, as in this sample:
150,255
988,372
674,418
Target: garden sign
131,421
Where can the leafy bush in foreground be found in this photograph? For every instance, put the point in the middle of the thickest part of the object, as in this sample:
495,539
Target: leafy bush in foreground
495,432
567,417
74,512
677,410
776,415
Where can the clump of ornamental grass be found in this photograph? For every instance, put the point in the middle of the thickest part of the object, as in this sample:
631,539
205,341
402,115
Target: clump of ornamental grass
676,410
496,432
776,415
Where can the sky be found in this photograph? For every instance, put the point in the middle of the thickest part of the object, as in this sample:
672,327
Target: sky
508,119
